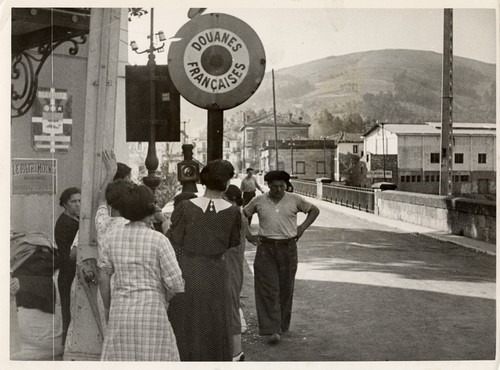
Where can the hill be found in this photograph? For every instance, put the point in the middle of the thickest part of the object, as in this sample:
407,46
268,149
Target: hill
394,85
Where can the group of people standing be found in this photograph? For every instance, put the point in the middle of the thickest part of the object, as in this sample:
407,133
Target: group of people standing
175,295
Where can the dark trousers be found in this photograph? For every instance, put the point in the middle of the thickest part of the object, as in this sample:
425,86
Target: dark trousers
274,277
247,197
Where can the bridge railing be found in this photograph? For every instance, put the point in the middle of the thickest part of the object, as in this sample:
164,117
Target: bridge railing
305,188
349,196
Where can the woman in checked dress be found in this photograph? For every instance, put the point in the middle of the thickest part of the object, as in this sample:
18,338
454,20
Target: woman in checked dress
146,275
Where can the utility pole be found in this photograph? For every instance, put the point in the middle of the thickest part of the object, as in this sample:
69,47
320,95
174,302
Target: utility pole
446,178
383,148
275,125
243,159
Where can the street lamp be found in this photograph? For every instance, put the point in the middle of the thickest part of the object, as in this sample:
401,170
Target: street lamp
324,153
151,180
291,144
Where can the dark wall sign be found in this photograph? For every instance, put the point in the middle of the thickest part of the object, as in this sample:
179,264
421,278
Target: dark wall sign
138,104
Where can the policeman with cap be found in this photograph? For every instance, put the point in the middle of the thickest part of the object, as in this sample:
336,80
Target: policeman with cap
275,262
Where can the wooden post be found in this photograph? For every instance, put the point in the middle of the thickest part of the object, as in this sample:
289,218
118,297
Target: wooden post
85,343
215,132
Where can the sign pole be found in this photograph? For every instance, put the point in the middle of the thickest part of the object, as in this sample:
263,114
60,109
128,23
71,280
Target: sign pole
215,131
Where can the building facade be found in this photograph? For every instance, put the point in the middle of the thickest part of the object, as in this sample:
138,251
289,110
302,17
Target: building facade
412,153
303,159
256,132
349,148
231,149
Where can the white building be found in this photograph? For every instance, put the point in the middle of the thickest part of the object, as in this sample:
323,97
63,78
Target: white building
418,146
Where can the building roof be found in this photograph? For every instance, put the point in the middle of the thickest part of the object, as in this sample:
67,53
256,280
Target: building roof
300,144
434,128
346,137
282,120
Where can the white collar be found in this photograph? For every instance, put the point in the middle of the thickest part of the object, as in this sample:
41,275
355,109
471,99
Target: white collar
202,202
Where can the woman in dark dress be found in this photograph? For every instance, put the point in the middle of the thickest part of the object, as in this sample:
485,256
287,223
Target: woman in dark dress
202,230
64,233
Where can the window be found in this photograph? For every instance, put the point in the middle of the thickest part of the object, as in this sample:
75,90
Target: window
355,149
419,178
481,158
437,178
320,167
434,157
464,178
456,178
227,144
204,158
204,145
427,178
459,158
300,167
433,178
412,178
227,156
402,179
407,178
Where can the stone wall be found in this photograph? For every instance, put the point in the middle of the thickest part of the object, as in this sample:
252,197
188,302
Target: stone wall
471,218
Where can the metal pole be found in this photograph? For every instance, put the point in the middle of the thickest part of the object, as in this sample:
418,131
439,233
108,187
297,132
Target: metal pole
215,131
324,155
151,180
291,150
383,147
446,170
243,159
275,125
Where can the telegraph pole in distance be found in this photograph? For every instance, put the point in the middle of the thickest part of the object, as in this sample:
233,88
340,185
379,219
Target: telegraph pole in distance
446,178
275,125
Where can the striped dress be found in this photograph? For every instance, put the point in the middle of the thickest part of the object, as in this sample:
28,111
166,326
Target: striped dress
144,266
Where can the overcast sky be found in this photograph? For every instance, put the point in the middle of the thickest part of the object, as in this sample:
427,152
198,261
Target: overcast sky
292,34
295,35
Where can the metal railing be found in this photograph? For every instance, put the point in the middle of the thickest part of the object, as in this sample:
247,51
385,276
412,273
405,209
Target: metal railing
350,196
308,189
362,199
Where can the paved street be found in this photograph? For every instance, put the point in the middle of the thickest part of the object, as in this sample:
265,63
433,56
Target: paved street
367,291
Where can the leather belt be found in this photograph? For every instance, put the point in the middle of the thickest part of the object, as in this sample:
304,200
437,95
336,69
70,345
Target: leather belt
275,242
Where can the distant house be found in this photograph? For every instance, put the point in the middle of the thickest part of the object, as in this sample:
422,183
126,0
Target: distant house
349,148
256,132
410,154
302,158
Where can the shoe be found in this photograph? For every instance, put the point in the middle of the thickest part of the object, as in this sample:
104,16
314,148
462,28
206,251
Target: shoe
273,338
240,357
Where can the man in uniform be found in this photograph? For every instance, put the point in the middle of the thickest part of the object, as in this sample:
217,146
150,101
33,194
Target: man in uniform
275,262
248,186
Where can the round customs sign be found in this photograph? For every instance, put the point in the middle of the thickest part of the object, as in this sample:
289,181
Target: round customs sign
218,63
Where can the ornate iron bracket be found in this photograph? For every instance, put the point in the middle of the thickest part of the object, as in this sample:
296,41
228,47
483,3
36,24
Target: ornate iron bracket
26,66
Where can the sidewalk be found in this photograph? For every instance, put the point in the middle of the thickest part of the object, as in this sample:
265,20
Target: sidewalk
463,241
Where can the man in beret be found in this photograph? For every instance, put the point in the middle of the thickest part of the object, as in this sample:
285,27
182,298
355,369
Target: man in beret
275,262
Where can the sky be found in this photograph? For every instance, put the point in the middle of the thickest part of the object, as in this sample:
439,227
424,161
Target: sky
292,34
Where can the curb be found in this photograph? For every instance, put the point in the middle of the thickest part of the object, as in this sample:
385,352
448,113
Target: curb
465,242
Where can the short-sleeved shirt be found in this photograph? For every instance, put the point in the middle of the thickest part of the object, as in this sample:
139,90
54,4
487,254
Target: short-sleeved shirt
278,221
248,184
